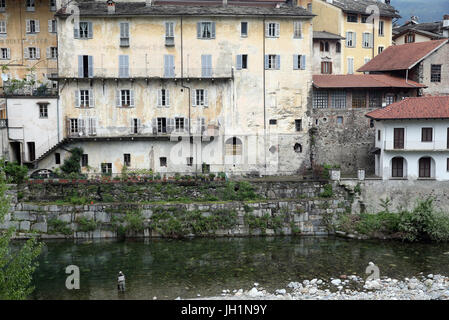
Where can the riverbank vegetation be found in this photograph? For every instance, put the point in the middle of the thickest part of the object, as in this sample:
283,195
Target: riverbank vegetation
423,223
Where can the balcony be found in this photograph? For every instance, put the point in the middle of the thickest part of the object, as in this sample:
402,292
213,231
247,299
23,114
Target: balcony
143,73
169,41
3,123
124,42
19,88
416,146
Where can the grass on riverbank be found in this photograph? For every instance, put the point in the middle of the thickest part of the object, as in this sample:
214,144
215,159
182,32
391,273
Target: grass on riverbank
423,223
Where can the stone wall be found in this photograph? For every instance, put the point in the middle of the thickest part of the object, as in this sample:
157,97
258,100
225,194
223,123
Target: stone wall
347,144
303,216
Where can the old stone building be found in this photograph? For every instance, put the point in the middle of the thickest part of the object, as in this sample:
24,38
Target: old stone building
326,53
413,31
424,62
343,136
185,87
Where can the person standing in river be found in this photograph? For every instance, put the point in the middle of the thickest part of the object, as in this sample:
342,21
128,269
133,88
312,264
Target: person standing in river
121,282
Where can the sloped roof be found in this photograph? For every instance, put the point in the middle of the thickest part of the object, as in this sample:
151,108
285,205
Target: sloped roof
192,8
359,6
434,27
330,81
402,57
326,35
431,35
414,108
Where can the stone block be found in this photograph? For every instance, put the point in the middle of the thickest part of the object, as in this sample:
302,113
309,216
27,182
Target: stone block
40,227
25,225
21,215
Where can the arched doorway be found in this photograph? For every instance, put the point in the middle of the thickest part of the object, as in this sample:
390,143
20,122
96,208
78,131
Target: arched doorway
234,147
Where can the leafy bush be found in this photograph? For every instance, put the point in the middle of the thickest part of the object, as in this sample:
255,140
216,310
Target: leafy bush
15,173
59,226
86,225
72,164
328,191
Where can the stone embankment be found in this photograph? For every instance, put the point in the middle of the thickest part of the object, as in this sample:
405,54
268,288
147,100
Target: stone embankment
430,287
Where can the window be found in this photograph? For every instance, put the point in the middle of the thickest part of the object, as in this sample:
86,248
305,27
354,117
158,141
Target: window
447,138
324,46
52,26
127,159
200,97
2,5
163,161
389,99
233,147
358,99
169,34
57,158
74,126
163,98
352,18
169,66
126,98
338,99
309,7
398,140
242,61
297,148
272,62
364,18
380,49
273,122
338,47
426,134
30,5
32,53
32,26
298,125
339,120
135,126
123,62
371,123
409,38
351,39
350,65
84,30
367,40
52,53
424,167
5,54
447,164
179,124
320,99
52,5
375,99
435,73
85,66
381,28
206,65
92,126
84,160
378,135
84,98
106,168
206,30
397,166
297,30
43,111
243,29
161,125
3,27
326,67
189,161
124,34
299,62
31,151
272,30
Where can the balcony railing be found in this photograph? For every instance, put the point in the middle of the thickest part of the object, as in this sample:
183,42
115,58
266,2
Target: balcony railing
14,89
160,73
3,123
417,146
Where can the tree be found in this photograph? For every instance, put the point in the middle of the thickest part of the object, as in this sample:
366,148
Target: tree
18,262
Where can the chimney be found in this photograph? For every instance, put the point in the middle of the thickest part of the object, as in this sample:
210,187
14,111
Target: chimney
225,3
111,6
414,19
446,20
149,3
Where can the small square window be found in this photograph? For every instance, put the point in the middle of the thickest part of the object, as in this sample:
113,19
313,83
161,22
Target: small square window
426,135
106,168
339,120
273,122
163,161
352,18
298,125
244,29
43,111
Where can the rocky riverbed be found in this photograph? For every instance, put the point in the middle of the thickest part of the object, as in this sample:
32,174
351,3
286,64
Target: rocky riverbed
351,287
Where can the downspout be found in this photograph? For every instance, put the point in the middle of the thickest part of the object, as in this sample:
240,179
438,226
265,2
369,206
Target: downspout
57,86
264,99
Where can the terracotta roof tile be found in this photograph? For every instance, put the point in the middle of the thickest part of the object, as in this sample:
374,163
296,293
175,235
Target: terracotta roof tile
363,81
436,107
402,57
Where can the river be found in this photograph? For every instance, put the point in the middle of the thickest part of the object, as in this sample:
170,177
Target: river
168,269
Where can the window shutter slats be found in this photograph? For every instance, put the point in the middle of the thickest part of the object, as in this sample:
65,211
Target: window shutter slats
167,98
198,30
77,98
239,62
278,62
90,61
131,94
206,99
91,98
295,62
266,62
89,30
80,66
213,30
37,26
118,101
193,98
303,62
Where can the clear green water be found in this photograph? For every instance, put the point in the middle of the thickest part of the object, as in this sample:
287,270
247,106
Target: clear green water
171,268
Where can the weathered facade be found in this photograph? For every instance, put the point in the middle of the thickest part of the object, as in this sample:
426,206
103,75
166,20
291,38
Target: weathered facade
327,58
413,31
231,81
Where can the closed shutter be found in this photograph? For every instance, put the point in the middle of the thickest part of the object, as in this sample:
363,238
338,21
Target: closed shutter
206,99
193,98
92,126
170,125
48,53
8,53
159,98
26,53
76,31
303,62
206,65
90,61
28,28
213,30
278,62
77,98
167,98
186,124
89,30
38,53
131,95
50,26
295,62
169,65
198,30
81,126
277,29
91,99
118,98
267,29
80,67
239,62
354,39
154,125
123,66
266,62
37,26
124,30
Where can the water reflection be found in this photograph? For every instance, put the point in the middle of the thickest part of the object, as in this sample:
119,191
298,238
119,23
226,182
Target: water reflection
171,268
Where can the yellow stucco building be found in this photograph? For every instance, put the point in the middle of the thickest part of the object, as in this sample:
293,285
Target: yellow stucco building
366,26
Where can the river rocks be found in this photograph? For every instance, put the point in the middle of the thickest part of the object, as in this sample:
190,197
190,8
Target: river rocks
336,282
281,291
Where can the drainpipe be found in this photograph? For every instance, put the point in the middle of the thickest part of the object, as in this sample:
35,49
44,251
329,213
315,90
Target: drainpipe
264,99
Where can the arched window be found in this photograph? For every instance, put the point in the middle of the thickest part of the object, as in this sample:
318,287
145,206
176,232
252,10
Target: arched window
297,148
234,147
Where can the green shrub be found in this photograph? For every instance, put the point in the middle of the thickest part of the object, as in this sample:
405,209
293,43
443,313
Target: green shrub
328,191
59,226
15,173
72,164
86,225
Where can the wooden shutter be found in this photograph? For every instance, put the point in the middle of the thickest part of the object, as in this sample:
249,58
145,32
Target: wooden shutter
118,98
80,67
277,29
206,99
37,26
91,98
38,53
213,30
303,62
90,61
239,62
89,30
77,98
28,28
167,98
193,97
123,66
266,62
159,98
198,30
295,62
278,61
398,138
131,98
50,28
76,31
48,52
154,125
